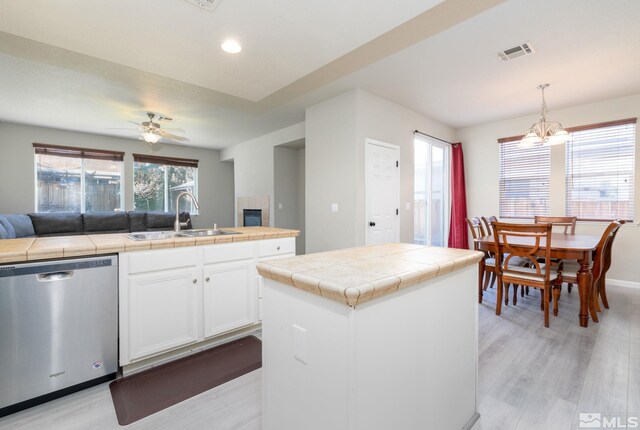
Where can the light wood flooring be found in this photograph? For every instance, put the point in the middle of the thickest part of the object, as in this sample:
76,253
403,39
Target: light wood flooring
529,377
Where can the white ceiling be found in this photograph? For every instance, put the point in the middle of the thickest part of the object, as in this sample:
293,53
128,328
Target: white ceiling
282,41
91,65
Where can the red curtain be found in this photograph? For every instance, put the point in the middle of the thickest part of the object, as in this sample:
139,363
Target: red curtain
458,236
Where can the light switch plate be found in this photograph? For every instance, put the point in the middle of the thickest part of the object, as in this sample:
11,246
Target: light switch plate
334,207
407,206
300,343
280,206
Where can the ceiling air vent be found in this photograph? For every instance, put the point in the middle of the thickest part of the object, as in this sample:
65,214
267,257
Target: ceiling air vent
517,51
207,5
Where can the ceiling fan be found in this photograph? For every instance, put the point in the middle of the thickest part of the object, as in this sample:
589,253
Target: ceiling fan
151,130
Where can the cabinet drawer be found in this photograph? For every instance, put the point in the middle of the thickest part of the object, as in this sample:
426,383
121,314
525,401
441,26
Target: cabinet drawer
172,258
228,252
276,246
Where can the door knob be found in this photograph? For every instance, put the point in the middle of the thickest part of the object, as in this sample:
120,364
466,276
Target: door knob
372,224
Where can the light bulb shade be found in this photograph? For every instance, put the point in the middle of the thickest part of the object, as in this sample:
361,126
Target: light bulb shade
150,137
530,139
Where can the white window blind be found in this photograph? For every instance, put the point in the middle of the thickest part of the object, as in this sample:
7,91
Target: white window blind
524,179
600,163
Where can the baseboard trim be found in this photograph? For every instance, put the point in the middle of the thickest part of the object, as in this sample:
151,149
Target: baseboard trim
624,284
471,421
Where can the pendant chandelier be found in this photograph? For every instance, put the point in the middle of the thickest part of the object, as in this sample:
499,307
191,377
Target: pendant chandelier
544,132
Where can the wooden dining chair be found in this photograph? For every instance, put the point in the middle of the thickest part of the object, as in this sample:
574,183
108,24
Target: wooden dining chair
477,231
487,223
600,264
568,223
534,239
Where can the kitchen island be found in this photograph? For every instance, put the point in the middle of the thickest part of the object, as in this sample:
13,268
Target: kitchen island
368,338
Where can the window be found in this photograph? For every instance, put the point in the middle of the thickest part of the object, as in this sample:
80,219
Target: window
524,179
157,181
600,171
77,180
431,191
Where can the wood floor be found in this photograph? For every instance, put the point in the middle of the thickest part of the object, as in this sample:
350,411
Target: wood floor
529,377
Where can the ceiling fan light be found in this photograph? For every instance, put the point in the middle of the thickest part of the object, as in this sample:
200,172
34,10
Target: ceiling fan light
150,137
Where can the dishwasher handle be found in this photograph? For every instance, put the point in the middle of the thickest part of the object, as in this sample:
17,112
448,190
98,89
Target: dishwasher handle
55,276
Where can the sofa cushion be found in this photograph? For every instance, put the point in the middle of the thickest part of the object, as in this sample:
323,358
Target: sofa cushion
21,224
7,231
105,222
157,221
56,224
137,221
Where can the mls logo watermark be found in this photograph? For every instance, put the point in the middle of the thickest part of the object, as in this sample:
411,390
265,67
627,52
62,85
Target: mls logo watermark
596,420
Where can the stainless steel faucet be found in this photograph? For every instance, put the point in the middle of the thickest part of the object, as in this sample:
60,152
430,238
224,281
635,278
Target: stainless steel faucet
177,224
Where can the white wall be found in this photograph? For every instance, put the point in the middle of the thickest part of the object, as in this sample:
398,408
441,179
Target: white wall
17,176
336,131
388,122
481,173
253,163
330,142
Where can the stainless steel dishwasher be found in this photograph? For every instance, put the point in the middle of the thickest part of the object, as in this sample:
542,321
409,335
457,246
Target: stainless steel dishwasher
58,328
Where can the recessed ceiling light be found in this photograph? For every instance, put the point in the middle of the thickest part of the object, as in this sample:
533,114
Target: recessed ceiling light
231,46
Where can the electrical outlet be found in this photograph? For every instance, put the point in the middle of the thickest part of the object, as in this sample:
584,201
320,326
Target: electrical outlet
334,207
280,206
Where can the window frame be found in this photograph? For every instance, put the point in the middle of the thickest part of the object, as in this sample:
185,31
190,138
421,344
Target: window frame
556,196
602,125
82,154
166,162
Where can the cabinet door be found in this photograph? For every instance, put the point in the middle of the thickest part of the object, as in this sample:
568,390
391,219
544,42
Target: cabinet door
229,296
163,311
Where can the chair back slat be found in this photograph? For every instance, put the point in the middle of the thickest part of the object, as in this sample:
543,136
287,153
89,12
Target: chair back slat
477,230
487,224
568,223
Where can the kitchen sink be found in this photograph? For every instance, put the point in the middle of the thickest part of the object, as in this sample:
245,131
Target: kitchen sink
205,232
157,235
152,235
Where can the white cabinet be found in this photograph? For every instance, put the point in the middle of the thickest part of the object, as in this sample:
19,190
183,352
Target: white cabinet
163,311
177,297
229,296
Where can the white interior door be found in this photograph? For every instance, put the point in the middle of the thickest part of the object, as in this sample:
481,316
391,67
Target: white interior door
431,192
382,194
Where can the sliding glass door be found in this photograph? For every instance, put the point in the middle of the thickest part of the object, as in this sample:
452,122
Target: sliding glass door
431,191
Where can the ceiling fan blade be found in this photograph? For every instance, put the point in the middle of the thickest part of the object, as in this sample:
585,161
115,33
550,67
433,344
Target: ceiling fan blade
172,136
122,128
177,130
135,123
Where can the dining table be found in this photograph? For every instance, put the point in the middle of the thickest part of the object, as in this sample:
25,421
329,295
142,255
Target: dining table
565,247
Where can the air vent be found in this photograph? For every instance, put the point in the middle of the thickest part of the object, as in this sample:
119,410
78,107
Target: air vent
207,5
517,51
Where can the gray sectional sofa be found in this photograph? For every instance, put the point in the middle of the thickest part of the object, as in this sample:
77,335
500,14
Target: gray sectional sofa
75,223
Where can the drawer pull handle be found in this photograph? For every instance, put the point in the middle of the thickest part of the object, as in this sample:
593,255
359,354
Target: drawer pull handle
207,279
278,248
195,281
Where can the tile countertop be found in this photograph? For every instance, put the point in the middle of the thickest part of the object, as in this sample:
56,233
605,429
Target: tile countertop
357,275
31,249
